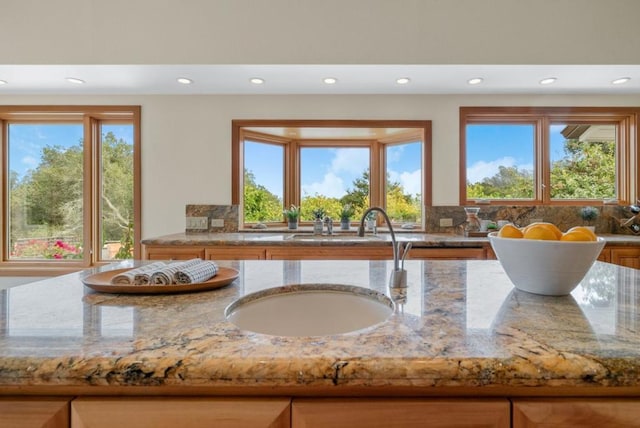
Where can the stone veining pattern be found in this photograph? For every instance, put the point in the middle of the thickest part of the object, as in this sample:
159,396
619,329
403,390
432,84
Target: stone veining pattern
461,323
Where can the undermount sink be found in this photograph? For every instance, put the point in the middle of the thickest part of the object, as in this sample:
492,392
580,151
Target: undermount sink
310,310
335,237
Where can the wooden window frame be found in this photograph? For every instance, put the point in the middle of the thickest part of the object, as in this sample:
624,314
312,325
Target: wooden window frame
292,158
542,118
90,117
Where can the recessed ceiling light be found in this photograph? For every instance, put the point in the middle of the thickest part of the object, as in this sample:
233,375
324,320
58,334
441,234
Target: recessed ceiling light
75,80
3,82
403,80
548,80
184,80
621,80
256,80
475,81
330,80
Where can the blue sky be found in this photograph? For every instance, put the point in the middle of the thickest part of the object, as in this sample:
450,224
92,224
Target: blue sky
331,171
26,141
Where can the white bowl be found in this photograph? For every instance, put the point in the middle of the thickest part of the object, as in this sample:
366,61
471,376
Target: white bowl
551,268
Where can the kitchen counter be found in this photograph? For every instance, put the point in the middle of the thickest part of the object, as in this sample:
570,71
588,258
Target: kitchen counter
306,238
463,329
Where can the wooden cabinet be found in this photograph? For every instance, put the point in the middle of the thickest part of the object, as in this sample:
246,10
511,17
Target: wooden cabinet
173,253
36,412
626,256
328,253
582,413
180,412
448,253
235,253
382,413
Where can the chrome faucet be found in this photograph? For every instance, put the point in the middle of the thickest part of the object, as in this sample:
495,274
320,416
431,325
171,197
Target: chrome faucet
329,222
398,277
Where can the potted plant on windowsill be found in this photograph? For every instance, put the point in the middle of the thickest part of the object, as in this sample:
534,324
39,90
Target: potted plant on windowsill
292,215
589,215
345,216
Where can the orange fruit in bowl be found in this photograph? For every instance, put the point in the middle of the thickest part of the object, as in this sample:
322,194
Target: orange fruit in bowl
577,235
586,230
540,232
550,226
510,231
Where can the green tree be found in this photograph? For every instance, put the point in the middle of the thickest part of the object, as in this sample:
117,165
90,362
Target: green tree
117,190
259,203
587,171
509,183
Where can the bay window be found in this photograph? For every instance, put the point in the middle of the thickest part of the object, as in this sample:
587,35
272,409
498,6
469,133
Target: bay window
328,165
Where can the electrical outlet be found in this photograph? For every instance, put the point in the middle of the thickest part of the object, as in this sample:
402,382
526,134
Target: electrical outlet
446,222
197,223
535,220
217,222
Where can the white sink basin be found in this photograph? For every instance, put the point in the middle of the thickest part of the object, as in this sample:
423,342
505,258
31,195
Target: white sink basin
310,310
335,237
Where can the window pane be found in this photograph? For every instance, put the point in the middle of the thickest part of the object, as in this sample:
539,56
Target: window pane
583,161
404,182
45,191
333,177
117,191
500,161
263,182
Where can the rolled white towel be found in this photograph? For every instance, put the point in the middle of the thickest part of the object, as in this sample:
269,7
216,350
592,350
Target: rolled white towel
199,272
131,276
165,276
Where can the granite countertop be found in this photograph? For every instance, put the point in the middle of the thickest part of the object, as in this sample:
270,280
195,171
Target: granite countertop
306,238
463,325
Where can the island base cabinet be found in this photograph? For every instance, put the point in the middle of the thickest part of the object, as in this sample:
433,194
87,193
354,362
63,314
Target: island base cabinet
575,413
385,413
176,412
37,412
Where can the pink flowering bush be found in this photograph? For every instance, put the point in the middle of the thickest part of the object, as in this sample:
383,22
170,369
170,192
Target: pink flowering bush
47,249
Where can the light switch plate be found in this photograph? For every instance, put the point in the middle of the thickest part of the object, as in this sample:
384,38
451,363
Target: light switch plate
197,223
217,222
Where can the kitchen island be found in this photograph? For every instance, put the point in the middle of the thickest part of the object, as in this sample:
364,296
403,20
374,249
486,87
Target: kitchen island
461,330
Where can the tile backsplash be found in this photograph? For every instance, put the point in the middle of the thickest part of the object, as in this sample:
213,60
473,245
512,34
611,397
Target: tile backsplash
227,213
611,218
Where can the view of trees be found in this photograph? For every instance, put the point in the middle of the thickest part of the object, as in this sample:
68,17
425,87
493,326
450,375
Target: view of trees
586,171
262,205
46,203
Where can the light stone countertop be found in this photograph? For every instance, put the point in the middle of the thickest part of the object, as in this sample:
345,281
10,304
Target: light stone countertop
463,325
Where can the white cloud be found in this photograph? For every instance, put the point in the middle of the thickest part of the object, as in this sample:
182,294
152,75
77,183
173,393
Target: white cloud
353,161
411,182
30,162
331,186
482,169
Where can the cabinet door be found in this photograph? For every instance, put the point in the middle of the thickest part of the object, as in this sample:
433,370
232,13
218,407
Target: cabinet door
179,412
448,253
605,255
38,412
629,257
173,253
576,413
383,413
329,253
234,253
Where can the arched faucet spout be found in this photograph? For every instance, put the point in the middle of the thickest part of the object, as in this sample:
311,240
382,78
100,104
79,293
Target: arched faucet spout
398,275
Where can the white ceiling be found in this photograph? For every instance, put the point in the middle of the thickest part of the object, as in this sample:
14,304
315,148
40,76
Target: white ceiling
307,79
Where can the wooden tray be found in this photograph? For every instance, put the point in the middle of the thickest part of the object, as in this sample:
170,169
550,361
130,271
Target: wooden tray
102,282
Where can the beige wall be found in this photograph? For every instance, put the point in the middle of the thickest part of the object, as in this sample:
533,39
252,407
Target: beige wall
315,32
186,140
